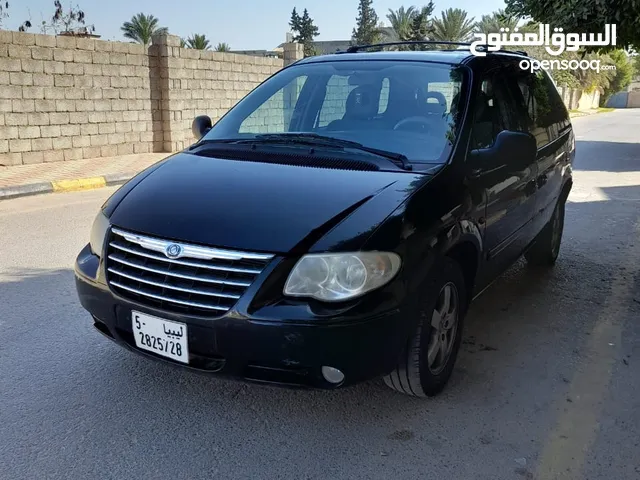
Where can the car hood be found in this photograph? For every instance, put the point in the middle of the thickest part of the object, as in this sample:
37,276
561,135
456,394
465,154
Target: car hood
250,205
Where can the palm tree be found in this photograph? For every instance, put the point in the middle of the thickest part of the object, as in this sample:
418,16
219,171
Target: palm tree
223,47
452,26
141,28
497,20
401,21
198,42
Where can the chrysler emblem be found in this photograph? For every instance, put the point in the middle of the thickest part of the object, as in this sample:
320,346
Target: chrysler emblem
173,251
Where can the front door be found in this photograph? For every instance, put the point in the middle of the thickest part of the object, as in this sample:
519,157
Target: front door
509,191
548,121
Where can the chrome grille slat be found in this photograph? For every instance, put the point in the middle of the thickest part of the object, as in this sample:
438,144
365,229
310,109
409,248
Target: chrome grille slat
167,299
200,281
183,262
177,275
171,287
192,251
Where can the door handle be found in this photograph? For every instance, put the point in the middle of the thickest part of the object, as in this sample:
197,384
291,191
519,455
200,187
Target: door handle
541,180
531,187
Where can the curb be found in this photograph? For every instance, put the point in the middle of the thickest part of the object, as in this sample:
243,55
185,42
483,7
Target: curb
61,186
583,113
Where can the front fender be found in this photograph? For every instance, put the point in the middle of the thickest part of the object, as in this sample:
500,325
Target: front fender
421,230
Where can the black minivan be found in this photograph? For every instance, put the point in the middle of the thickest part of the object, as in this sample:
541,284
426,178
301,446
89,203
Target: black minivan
335,224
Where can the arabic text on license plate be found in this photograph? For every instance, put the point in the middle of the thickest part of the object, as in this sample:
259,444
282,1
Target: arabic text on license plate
160,336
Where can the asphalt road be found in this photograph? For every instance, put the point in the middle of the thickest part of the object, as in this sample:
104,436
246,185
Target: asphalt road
547,384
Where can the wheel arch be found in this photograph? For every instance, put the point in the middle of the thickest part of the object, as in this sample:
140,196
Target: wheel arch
566,189
466,253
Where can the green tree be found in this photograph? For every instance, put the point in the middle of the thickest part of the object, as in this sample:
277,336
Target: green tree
198,42
401,21
591,79
420,27
295,21
585,16
366,31
623,73
304,31
223,47
141,28
453,26
497,20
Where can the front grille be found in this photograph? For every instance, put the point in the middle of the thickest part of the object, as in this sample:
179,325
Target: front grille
200,281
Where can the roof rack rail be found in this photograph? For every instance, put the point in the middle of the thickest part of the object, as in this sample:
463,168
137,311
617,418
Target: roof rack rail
357,48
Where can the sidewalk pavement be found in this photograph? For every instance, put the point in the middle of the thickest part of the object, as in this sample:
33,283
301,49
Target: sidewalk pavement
22,180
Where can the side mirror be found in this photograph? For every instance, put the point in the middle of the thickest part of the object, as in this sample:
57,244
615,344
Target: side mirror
200,126
513,151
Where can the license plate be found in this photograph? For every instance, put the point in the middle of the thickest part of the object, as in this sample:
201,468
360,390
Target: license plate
160,336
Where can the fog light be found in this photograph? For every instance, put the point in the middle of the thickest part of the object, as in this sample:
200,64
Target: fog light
332,375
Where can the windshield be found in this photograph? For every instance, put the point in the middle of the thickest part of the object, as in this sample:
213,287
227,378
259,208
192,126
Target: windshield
410,108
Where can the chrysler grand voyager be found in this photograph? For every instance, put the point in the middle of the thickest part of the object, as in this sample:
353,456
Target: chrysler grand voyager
334,226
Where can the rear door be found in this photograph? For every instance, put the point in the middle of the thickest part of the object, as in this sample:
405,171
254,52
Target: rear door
547,119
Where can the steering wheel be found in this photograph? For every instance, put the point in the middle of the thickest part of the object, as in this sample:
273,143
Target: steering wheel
423,123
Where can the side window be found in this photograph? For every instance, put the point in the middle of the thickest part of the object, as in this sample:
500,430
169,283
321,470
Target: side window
532,105
273,115
494,111
545,111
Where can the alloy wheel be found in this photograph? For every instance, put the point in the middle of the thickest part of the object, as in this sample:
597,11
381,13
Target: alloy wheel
444,326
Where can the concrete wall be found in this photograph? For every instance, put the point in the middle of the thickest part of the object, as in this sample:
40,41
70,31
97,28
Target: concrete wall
633,99
578,99
629,99
589,101
65,98
618,100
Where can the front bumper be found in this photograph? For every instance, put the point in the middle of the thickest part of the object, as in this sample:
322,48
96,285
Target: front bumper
247,346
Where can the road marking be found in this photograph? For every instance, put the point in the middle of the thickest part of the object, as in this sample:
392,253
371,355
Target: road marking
564,452
79,184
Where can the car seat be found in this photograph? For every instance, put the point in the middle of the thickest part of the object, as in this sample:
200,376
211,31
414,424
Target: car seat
360,109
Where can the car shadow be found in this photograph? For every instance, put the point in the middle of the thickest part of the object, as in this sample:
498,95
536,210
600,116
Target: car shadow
596,156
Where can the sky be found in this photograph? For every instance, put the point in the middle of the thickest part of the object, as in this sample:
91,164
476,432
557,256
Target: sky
243,24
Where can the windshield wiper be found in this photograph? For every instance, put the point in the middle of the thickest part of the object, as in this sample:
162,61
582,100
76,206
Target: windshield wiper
321,140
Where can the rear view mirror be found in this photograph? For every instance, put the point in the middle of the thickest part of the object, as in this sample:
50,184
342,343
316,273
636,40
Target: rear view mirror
513,151
200,126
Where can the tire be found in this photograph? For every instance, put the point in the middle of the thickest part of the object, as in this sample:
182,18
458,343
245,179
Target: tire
545,249
415,375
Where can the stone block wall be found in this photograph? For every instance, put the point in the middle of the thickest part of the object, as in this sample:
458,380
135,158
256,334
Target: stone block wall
200,82
65,98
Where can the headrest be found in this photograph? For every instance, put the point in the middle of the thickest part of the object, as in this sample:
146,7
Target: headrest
437,107
361,102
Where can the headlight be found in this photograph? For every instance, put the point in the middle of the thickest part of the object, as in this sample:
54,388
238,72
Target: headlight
98,233
335,277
